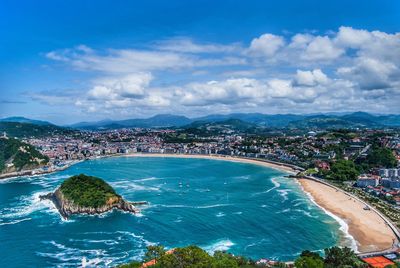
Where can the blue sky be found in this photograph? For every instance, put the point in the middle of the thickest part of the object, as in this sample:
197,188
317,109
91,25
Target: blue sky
67,61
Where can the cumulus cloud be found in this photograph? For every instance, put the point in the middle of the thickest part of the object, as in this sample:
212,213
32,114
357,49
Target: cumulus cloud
347,69
128,86
266,45
310,78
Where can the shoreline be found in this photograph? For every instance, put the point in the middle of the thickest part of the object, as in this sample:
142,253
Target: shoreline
366,233
263,162
370,233
368,229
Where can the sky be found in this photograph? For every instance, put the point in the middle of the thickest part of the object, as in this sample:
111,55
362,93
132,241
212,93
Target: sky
70,61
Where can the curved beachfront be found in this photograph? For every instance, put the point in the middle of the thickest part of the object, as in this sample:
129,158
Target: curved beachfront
372,231
217,205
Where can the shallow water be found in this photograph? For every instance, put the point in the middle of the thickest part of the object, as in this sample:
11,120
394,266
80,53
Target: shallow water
219,205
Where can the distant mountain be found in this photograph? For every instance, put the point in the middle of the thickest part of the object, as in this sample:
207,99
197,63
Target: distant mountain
20,119
161,120
27,130
331,120
278,120
227,126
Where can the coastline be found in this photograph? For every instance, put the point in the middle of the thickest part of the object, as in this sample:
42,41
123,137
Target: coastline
275,165
37,172
365,228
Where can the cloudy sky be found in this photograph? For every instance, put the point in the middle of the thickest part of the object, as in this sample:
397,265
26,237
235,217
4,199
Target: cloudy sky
69,61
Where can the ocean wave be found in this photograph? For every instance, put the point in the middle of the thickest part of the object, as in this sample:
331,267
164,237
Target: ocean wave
186,206
148,179
344,227
126,184
220,214
78,255
13,222
284,194
220,245
27,205
276,185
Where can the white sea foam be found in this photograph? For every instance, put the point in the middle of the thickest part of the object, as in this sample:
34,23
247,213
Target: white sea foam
148,179
344,227
186,206
14,222
220,245
67,256
26,205
276,185
126,184
284,193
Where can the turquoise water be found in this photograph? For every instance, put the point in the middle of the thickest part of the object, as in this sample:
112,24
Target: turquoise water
218,205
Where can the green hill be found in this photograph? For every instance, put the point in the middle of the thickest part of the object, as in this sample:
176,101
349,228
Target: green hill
16,155
88,191
28,130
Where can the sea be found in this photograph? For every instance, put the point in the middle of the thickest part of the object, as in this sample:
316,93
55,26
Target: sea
242,208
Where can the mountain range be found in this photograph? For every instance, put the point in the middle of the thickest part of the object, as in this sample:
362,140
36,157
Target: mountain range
349,120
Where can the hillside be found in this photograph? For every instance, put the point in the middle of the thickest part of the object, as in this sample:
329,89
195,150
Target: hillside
28,130
20,119
82,194
161,120
227,126
16,156
348,120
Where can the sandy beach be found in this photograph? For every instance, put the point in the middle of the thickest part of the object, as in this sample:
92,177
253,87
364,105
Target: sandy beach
368,229
220,157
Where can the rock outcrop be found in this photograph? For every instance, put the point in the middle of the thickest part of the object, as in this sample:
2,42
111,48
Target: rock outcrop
67,207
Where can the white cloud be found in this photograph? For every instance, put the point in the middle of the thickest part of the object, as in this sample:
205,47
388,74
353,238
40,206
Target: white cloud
271,73
128,86
266,45
310,78
371,73
321,48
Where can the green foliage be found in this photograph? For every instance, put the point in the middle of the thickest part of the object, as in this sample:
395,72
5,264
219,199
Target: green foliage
343,170
21,154
87,191
190,257
26,130
381,157
309,259
336,257
309,262
154,252
195,257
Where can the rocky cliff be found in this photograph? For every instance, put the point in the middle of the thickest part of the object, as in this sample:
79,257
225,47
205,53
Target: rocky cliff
67,207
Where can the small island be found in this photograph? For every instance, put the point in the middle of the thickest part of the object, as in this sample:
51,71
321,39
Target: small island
82,194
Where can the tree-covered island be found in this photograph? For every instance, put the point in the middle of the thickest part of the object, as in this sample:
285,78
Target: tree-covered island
82,194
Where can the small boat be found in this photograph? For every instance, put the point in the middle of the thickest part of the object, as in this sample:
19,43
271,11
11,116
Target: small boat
208,190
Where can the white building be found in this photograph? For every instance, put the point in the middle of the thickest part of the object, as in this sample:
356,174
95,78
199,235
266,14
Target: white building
365,181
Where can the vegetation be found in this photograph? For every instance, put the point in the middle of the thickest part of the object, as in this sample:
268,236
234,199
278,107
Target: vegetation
27,130
381,157
88,191
343,170
20,154
195,257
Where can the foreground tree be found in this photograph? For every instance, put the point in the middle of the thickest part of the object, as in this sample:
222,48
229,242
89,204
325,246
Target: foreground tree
336,257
